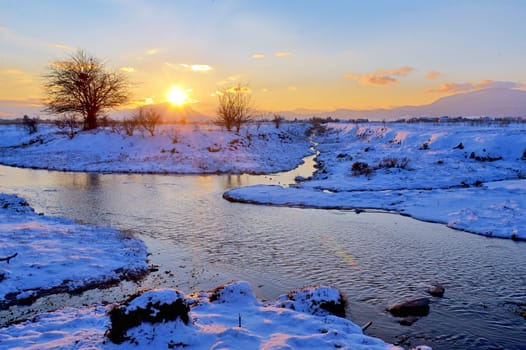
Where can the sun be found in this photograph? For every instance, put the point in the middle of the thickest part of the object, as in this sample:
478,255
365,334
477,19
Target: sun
177,96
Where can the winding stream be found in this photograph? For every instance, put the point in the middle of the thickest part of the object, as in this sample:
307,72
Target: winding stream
199,241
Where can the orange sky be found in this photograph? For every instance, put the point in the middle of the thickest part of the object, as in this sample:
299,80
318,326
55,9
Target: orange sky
292,54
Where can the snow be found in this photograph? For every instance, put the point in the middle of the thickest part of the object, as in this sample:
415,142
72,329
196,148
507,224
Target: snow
184,149
214,324
57,255
468,177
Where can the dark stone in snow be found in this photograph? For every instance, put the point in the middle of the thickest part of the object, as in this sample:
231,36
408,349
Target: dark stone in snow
436,291
413,307
152,311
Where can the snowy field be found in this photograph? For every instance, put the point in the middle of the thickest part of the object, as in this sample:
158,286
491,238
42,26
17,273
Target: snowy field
228,318
56,255
468,177
183,149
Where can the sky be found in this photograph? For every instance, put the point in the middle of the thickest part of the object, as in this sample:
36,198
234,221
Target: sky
292,54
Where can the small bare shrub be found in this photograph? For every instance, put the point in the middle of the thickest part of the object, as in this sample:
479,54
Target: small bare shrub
277,120
389,162
147,120
361,168
129,125
68,124
30,124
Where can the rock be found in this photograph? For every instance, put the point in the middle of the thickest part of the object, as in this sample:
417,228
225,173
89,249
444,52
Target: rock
150,307
408,321
413,307
436,291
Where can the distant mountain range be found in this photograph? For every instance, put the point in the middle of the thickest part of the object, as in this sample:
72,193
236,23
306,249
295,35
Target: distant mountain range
487,102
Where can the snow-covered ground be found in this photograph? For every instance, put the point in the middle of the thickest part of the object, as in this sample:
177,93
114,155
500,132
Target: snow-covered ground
184,149
468,177
56,255
228,318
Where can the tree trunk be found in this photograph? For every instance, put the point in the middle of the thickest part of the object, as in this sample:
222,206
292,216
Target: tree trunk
91,121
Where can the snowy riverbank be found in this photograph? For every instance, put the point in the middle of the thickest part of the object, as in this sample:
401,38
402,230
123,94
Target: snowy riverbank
468,177
182,149
227,318
55,255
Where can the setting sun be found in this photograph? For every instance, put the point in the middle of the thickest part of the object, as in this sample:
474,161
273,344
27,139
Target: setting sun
177,96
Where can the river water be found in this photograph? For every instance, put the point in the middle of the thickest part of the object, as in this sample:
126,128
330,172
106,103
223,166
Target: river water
199,240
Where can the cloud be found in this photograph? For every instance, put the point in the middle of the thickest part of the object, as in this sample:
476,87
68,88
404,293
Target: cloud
153,51
230,80
200,68
16,75
292,88
30,102
454,88
258,56
380,77
63,47
492,84
371,79
233,89
401,72
196,67
127,69
283,54
432,74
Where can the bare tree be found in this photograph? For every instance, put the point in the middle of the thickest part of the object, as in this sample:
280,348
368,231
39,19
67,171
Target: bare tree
234,107
82,85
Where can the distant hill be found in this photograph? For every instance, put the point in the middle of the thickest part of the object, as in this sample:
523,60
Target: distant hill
168,112
487,102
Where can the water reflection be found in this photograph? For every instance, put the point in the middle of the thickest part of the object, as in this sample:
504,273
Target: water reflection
375,259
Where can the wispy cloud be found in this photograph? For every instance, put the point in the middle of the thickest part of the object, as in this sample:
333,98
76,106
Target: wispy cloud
29,102
381,76
258,56
63,47
401,72
199,68
432,74
292,88
371,79
234,89
283,54
16,75
493,84
229,80
453,88
127,69
153,51
196,67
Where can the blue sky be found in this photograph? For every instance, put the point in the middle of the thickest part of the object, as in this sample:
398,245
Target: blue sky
292,54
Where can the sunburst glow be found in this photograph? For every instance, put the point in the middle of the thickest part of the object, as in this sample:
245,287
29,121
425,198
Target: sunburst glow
177,96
